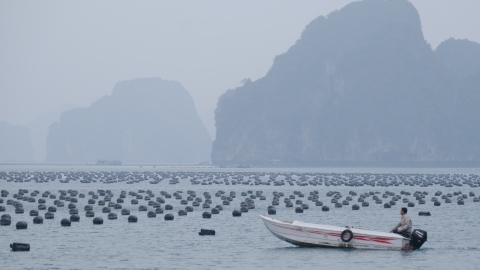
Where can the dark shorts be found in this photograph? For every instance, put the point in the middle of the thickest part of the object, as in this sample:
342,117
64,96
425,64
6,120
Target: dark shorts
402,233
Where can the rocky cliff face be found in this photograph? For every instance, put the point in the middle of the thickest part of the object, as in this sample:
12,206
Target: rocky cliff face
15,143
361,86
144,120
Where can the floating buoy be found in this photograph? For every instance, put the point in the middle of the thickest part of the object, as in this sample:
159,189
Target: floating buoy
112,216
38,220
182,213
207,214
169,216
20,247
89,213
49,215
206,231
33,213
298,210
132,219
151,214
355,207
74,218
236,213
65,223
215,211
21,225
411,204
325,208
98,221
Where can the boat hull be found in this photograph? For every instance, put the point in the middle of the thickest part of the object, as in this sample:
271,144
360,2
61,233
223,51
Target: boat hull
315,235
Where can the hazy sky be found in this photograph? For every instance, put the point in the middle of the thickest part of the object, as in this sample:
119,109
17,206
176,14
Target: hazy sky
55,53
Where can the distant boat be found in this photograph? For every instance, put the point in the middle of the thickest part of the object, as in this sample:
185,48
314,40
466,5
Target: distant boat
315,235
104,162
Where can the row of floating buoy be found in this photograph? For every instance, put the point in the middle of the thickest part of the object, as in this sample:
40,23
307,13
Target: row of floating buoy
244,206
247,178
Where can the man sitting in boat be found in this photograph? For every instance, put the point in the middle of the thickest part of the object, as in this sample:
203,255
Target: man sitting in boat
404,226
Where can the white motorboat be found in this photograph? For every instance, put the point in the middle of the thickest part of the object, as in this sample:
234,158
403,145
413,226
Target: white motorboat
309,234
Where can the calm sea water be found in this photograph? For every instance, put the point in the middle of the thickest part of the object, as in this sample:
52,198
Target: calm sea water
239,243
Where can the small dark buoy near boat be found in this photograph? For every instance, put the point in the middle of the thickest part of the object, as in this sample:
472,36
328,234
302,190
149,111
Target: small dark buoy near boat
125,212
206,231
236,213
89,213
411,204
387,205
65,222
243,209
182,213
355,207
98,221
168,216
299,210
272,211
74,218
151,214
38,220
2,208
142,208
207,214
325,208
365,204
437,203
424,213
52,209
112,216
460,202
33,213
168,207
21,225
215,211
20,247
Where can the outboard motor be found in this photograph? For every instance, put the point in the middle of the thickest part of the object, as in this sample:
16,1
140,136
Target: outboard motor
417,239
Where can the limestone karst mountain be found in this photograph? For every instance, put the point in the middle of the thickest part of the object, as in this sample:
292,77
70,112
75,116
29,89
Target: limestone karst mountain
147,120
360,87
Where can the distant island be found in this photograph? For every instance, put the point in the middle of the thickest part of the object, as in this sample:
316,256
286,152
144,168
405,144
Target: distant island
146,120
361,87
